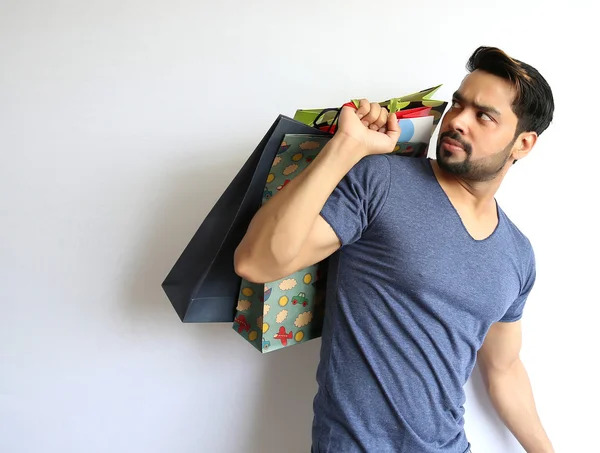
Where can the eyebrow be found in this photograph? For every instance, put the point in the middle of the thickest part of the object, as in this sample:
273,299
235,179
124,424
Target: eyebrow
460,98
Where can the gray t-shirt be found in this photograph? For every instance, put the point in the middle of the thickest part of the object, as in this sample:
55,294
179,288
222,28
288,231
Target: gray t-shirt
411,296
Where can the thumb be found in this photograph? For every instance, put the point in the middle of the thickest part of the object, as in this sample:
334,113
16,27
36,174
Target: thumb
393,128
346,113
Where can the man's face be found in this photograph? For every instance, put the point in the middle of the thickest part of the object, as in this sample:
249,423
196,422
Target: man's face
477,135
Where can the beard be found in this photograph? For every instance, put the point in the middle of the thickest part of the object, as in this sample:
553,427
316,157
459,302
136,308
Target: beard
477,171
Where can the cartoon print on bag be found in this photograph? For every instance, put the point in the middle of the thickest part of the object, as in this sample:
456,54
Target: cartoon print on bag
303,319
300,299
290,169
243,324
281,316
287,284
283,148
283,336
243,305
266,344
285,183
309,145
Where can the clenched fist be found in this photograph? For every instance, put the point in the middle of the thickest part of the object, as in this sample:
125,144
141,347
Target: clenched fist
372,126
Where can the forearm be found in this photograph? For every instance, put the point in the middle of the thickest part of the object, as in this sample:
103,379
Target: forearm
279,229
512,396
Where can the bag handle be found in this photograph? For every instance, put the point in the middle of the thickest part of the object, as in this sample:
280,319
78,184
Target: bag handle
393,105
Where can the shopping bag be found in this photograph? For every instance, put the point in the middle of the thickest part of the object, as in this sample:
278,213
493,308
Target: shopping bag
288,311
410,106
202,285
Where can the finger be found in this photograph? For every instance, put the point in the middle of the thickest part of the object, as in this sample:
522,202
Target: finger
381,121
393,128
373,114
363,108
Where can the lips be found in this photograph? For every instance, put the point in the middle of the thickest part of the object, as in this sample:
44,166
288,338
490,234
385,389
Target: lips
453,143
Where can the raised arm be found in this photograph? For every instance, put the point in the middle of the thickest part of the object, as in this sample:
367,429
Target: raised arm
287,233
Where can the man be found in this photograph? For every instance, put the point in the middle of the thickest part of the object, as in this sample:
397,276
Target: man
429,273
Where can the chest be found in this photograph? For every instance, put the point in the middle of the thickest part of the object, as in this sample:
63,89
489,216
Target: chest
434,260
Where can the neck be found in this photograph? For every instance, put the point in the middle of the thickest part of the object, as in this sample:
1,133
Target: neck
477,195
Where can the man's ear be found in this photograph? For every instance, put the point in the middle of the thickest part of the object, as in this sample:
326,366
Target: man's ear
523,145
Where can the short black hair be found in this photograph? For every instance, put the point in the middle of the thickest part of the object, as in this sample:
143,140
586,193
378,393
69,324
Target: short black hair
533,104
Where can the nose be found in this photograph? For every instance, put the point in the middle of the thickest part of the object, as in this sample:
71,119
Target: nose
459,122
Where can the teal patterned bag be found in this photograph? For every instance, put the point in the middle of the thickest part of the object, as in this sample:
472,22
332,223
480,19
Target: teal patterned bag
290,310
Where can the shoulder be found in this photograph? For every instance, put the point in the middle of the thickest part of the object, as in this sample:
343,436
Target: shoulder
384,171
409,166
397,161
373,163
371,170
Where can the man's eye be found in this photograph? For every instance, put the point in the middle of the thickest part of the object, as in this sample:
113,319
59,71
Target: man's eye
455,104
485,116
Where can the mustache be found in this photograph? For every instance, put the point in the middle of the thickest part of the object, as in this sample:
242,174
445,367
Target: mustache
454,135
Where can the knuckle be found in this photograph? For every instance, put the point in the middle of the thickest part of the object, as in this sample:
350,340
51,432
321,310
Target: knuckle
383,117
373,112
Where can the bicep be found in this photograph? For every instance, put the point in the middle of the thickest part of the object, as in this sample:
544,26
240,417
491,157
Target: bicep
322,241
501,347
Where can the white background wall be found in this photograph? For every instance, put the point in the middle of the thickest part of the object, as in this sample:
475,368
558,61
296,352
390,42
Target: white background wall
121,122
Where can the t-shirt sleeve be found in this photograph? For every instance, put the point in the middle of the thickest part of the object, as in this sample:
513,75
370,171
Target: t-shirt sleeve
515,311
359,197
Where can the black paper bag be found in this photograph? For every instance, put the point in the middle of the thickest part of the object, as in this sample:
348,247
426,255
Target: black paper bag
202,285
